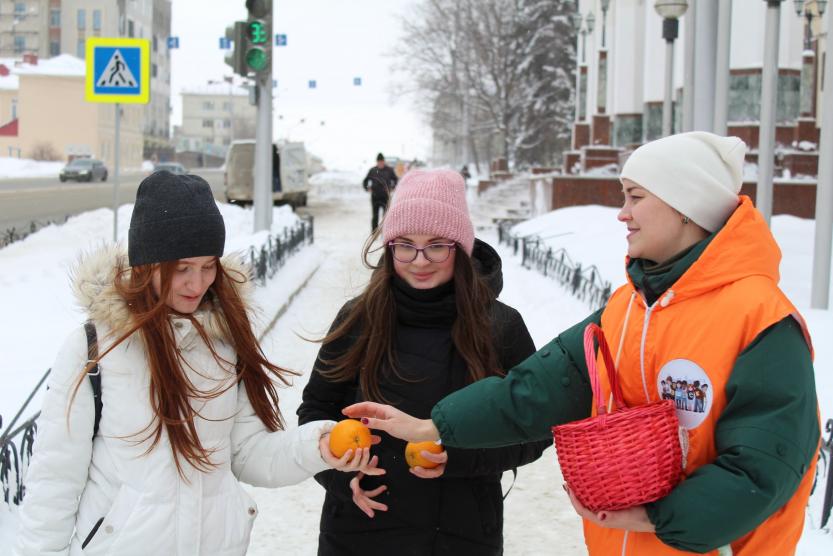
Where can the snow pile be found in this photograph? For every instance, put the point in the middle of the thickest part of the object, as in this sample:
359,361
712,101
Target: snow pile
28,168
337,184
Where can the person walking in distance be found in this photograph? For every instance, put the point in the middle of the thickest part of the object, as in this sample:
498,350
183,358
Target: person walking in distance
380,181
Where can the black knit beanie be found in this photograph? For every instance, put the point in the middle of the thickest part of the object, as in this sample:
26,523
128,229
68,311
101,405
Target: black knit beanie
380,157
175,217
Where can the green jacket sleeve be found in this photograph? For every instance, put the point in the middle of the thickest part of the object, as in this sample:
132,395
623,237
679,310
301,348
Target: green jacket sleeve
515,345
549,388
766,437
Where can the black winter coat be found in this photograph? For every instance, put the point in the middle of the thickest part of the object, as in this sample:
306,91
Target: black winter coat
380,181
460,513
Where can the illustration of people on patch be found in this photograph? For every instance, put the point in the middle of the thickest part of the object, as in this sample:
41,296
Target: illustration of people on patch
680,394
688,395
666,390
700,398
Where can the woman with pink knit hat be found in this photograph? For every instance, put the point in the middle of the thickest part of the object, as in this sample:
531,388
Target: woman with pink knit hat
701,309
427,324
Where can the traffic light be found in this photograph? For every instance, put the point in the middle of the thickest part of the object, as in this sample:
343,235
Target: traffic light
236,58
258,31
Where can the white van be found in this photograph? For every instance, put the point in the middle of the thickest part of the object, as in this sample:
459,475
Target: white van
239,173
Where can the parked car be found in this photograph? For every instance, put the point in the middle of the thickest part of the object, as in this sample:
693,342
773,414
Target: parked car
84,169
172,167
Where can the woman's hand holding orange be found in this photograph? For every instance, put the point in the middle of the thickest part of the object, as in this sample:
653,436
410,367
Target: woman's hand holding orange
352,461
440,459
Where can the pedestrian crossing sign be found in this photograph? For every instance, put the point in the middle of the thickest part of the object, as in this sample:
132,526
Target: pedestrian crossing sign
118,70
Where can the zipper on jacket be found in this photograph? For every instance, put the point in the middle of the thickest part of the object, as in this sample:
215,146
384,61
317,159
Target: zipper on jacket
92,533
621,344
648,311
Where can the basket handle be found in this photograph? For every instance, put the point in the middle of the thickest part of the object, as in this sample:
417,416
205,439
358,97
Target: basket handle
590,332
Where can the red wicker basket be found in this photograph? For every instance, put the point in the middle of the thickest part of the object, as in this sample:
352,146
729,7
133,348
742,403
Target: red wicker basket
621,459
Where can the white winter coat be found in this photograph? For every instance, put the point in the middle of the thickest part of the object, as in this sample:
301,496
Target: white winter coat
74,479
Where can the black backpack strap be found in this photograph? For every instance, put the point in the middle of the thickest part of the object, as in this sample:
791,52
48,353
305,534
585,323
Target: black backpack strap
95,372
514,478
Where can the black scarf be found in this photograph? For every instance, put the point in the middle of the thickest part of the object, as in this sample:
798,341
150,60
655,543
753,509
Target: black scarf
432,308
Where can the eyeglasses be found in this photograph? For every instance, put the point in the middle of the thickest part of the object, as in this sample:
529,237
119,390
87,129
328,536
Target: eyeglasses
433,252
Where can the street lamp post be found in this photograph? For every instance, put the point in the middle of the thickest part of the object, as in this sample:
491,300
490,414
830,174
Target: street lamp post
808,67
769,90
670,11
590,24
605,7
601,78
802,9
575,19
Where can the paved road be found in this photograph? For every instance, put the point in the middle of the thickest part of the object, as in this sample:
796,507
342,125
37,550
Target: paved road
24,200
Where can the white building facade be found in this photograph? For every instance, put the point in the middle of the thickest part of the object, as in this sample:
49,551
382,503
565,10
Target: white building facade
633,87
213,116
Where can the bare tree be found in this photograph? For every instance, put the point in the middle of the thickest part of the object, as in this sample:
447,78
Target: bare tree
494,73
45,150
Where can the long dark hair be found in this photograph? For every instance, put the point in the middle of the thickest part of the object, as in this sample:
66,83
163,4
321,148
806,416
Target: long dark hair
370,321
171,392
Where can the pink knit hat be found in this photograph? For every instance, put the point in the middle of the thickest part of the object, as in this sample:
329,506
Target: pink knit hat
430,202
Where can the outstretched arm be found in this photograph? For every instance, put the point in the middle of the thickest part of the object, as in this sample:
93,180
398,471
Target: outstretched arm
547,389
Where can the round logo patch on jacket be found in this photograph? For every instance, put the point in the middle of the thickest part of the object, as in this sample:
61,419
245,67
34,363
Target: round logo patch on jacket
686,384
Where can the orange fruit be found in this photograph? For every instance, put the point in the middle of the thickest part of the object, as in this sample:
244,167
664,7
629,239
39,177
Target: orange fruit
414,457
348,434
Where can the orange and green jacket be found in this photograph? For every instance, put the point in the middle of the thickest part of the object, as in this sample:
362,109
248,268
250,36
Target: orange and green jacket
713,316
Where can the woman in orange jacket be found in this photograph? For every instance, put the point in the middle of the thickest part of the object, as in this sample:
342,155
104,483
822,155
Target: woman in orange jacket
701,306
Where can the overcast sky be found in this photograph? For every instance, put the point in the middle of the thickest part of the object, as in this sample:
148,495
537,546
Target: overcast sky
331,41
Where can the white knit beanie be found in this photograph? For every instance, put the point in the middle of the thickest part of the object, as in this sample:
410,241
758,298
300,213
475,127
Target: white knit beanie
697,173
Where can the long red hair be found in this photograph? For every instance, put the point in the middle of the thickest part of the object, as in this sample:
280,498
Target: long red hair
171,392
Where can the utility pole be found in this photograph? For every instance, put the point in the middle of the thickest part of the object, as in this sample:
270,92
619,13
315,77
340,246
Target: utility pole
769,92
820,292
259,61
721,82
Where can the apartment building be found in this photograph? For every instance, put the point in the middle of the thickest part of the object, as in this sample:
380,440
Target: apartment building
214,115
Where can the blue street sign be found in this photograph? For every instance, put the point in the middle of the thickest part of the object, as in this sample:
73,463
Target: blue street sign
357,81
225,44
280,40
117,71
173,42
312,84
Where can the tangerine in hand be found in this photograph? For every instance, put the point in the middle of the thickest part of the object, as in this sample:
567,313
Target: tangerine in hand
348,434
414,457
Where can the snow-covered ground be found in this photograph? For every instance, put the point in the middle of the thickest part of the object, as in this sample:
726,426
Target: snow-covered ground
538,517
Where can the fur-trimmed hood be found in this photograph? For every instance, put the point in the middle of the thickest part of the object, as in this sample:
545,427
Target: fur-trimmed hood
93,278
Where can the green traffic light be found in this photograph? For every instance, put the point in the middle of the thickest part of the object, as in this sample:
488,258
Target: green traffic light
256,30
256,59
